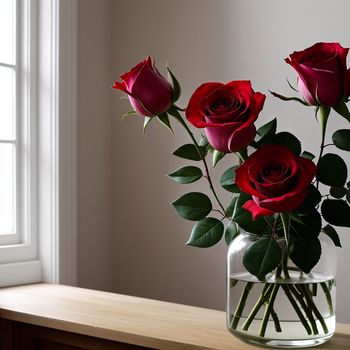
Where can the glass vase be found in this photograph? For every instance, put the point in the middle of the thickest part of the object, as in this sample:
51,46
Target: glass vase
287,312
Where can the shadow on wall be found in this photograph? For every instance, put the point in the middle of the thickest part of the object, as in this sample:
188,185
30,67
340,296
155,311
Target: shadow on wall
151,258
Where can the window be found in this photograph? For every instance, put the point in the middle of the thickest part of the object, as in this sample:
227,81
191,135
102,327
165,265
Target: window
8,122
37,141
18,234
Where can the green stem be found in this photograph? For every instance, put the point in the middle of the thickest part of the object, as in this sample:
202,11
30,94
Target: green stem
285,218
322,118
307,309
297,310
178,117
268,309
240,307
278,271
314,308
242,155
285,263
263,298
328,297
276,321
233,283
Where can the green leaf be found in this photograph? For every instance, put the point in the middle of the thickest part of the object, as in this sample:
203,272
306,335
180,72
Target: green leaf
262,257
305,252
227,180
244,217
209,148
336,212
332,170
338,192
186,175
217,156
188,151
307,155
193,206
128,114
341,139
164,119
342,109
287,139
175,84
285,98
206,233
231,232
291,86
231,206
146,122
332,234
348,196
310,226
296,217
267,132
311,201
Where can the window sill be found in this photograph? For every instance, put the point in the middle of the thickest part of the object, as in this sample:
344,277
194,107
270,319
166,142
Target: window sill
127,319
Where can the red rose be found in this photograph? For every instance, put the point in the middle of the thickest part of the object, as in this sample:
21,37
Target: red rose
149,92
227,112
276,179
322,72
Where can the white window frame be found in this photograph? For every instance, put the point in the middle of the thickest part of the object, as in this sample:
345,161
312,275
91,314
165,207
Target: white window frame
48,252
14,237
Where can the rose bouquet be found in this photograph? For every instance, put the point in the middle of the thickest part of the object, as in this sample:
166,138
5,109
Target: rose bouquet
279,225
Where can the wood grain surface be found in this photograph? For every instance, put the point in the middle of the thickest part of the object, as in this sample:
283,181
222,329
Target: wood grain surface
127,319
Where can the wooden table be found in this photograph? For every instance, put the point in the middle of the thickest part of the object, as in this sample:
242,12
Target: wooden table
55,317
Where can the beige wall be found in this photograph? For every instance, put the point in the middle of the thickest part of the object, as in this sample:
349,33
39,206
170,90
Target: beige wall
122,173
151,258
95,144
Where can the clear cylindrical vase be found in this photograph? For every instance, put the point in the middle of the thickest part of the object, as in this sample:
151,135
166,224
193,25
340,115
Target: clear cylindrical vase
283,310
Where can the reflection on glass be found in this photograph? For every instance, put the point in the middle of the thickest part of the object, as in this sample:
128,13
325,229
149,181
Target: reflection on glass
7,103
7,31
7,188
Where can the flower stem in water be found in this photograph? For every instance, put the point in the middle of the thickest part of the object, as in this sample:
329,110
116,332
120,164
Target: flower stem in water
263,298
241,304
276,320
307,309
268,309
328,297
314,308
297,309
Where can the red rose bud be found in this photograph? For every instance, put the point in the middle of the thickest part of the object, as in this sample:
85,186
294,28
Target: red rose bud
227,112
276,179
149,92
323,75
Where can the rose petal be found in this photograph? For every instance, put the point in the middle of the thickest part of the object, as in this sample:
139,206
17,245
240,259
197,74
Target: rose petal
218,136
241,138
256,210
287,202
193,113
273,187
306,172
322,73
246,178
243,181
152,90
131,76
244,86
120,86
